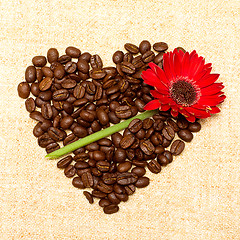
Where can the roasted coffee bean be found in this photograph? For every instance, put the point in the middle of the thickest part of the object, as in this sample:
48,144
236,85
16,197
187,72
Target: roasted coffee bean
142,182
123,112
59,72
30,105
139,163
110,209
87,179
52,55
118,57
45,140
80,131
68,107
104,202
140,105
116,139
154,166
113,90
103,166
162,160
97,73
53,66
120,155
102,117
177,147
140,134
160,46
158,125
89,197
99,156
113,118
56,134
96,61
90,88
70,139
23,90
140,171
127,141
45,96
131,48
156,139
47,72
135,125
81,165
138,62
126,178
147,123
168,155
36,116
39,61
173,124
105,142
92,147
182,122
85,56
128,67
69,171
168,132
144,46
46,111
64,59
78,183
130,189
148,56
96,172
79,91
52,147
69,83
158,58
37,130
60,95
147,147
35,89
64,162
83,66
109,178
83,156
46,124
80,102
73,52
185,135
30,74
87,116
113,198
98,194
166,143
194,127
159,149
104,187
124,166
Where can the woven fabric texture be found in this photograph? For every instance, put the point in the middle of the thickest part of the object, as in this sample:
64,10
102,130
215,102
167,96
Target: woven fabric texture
196,197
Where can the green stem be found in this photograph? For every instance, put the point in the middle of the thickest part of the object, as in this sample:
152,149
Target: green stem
98,135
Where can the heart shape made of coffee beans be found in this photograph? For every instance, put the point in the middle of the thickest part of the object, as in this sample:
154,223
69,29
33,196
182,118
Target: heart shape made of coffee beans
76,96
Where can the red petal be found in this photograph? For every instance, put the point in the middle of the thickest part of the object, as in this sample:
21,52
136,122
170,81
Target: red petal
166,66
164,107
154,104
191,118
212,100
174,113
185,64
212,89
177,65
198,113
202,74
208,80
214,110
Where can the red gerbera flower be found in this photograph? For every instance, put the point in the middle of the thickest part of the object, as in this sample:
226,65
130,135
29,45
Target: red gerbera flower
185,86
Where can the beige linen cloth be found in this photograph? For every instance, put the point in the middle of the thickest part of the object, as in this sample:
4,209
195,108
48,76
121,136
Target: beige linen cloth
196,197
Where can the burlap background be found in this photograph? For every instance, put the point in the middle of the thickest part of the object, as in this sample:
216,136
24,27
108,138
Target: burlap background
195,197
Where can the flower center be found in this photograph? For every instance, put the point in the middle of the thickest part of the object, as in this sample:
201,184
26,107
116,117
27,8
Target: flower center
183,93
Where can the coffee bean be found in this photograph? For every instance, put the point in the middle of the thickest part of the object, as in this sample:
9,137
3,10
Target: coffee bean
59,72
140,105
182,122
118,57
68,83
39,61
159,149
173,124
168,132
139,171
168,155
60,95
56,134
154,166
64,59
35,89
80,131
126,178
124,166
52,147
139,163
97,74
78,183
142,182
104,202
160,46
156,139
147,123
83,66
135,125
73,52
87,179
131,48
127,67
138,62
30,74
89,197
127,141
23,90
158,125
103,166
104,187
158,58
37,130
194,127
98,194
30,105
144,46
116,139
52,55
64,162
130,189
85,56
185,135
81,165
110,209
113,198
45,140
36,116
147,147
177,147
46,111
162,160
148,56
123,112
96,61
102,117
69,171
